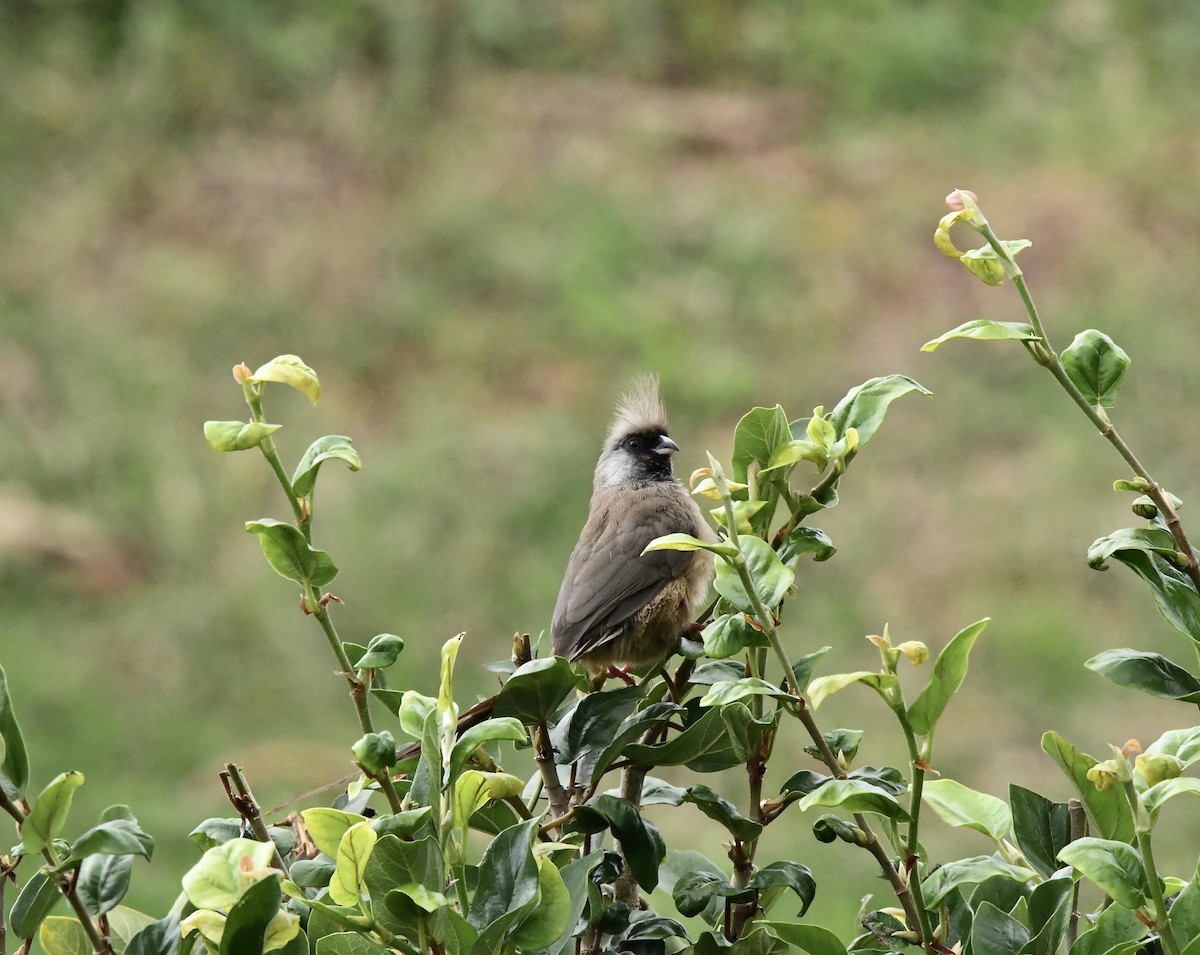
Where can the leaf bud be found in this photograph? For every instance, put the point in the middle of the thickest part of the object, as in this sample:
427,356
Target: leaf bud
914,651
375,752
1155,767
1145,507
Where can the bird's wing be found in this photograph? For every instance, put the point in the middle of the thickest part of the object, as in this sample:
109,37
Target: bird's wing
608,580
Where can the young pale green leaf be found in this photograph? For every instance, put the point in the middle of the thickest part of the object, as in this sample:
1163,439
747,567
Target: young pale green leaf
290,554
537,689
1096,366
824,687
1154,797
1114,866
14,770
729,692
1152,540
996,932
1118,931
329,448
729,634
721,810
943,880
34,902
382,652
772,579
489,731
63,935
548,921
414,711
225,872
865,406
756,437
686,542
957,805
1183,744
743,515
854,795
290,370
795,451
1041,827
225,436
326,826
1149,672
353,853
351,943
949,670
49,815
984,330
1172,590
1107,809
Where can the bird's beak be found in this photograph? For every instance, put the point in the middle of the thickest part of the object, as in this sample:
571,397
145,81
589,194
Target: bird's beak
665,446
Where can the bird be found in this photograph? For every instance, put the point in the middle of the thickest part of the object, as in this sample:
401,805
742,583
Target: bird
618,608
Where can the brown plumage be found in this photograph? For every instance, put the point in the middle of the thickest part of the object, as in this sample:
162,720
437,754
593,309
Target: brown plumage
616,605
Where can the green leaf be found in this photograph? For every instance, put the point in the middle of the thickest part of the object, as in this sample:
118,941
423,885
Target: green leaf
694,892
803,668
1114,866
575,877
14,771
996,932
34,902
686,542
382,652
729,634
721,810
1107,809
806,540
225,436
808,938
841,742
800,449
548,921
984,330
1041,827
788,875
290,554
1172,590
115,837
854,795
824,687
1149,672
1153,540
756,437
949,670
1183,744
218,880
353,852
942,881
508,877
957,805
1156,795
489,731
732,691
1096,365
49,815
866,405
536,690
326,827
349,943
395,862
331,447
1115,928
102,882
290,370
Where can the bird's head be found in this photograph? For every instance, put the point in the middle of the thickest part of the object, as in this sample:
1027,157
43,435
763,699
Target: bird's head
637,449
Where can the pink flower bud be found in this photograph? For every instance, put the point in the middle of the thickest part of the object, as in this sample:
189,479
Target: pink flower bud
955,202
241,374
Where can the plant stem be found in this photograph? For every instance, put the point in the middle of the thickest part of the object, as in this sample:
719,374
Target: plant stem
1146,849
253,395
913,844
1078,831
248,808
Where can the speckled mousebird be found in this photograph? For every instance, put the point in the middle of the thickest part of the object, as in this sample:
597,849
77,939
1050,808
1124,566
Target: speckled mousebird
617,606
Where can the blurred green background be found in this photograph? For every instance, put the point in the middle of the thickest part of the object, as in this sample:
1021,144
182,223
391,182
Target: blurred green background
477,219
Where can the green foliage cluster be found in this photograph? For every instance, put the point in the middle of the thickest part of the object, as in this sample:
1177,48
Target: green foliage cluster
460,855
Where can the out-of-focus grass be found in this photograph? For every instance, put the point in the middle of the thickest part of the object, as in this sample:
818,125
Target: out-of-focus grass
475,281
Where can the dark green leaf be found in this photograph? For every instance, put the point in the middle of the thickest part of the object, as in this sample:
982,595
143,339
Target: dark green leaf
1049,911
842,742
537,689
1151,540
593,722
756,437
705,741
103,881
996,932
865,406
597,761
641,843
14,771
248,918
803,668
1041,828
1107,809
115,838
1170,587
313,873
982,329
721,694
1149,672
694,891
404,824
394,862
949,670
721,810
381,652
1096,365
970,871
508,878
328,448
157,938
717,671
216,832
225,436
771,578
830,828
575,877
1114,866
678,865
290,555
806,540
788,875
34,902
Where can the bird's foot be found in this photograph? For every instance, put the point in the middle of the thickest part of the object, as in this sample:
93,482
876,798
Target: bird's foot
621,673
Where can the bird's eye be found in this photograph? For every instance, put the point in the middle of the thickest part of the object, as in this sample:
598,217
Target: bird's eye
634,443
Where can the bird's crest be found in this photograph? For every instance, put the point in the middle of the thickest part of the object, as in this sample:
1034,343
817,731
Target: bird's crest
640,409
